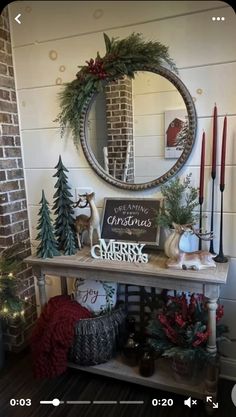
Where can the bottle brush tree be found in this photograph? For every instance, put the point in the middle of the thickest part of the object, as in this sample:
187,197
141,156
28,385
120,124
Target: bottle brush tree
64,224
48,245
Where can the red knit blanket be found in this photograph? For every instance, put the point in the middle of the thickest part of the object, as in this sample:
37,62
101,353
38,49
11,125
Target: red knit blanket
53,335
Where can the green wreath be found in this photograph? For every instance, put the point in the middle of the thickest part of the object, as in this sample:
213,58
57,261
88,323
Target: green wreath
121,58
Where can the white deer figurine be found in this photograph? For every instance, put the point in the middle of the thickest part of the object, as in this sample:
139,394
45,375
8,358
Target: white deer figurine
184,260
200,259
89,223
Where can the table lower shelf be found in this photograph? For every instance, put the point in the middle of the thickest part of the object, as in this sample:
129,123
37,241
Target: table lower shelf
162,379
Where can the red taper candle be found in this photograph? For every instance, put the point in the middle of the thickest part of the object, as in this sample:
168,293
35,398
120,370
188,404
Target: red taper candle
201,187
214,144
223,153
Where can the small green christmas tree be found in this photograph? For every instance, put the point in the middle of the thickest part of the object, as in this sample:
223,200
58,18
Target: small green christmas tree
70,248
48,245
63,210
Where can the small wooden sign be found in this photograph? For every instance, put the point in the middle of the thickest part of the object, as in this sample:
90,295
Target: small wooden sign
132,220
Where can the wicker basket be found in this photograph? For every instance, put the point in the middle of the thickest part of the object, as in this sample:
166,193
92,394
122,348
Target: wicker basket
97,339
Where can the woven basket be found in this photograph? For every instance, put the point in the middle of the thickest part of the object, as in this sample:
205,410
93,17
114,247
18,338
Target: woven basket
97,339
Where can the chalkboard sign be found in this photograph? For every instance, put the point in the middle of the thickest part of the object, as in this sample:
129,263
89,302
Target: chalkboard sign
132,220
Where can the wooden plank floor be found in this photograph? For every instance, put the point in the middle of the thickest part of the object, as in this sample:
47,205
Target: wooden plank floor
16,381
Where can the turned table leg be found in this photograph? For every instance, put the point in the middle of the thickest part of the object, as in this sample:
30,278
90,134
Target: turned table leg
41,285
212,371
212,306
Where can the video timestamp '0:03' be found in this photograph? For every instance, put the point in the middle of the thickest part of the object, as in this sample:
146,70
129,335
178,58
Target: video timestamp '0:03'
22,402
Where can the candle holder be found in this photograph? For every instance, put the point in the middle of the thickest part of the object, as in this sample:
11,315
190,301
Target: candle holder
200,222
220,257
213,175
211,249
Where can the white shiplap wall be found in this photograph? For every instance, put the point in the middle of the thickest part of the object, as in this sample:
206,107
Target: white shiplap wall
205,54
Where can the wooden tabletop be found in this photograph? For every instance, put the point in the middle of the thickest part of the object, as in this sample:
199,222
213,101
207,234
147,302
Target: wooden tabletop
154,268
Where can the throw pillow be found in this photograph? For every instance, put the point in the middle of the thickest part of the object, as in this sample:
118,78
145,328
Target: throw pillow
96,296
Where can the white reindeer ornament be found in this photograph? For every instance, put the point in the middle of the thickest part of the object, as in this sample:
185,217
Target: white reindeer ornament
184,260
89,223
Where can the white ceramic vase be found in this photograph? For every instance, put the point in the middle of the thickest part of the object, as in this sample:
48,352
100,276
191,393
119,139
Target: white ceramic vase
176,241
171,245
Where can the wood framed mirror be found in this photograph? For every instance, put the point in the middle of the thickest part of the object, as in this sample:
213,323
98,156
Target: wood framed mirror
138,133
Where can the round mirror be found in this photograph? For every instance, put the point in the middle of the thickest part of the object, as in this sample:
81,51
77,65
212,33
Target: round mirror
138,133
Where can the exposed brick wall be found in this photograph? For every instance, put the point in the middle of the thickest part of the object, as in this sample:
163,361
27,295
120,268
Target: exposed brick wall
14,226
119,111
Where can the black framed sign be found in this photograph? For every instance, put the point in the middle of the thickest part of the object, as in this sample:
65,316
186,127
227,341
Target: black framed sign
132,220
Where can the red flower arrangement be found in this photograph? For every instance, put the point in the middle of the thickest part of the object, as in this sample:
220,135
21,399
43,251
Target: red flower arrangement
179,326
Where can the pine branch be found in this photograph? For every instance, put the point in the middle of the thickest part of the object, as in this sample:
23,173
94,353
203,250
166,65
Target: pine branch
180,200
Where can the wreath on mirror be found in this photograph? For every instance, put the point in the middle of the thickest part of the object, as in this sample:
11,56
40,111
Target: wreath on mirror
121,59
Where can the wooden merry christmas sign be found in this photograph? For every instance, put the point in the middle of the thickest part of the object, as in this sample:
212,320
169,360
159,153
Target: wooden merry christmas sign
131,220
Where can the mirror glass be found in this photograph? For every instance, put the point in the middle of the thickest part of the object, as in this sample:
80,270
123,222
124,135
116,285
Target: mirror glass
136,129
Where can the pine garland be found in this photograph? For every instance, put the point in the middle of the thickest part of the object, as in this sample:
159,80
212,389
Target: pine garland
122,58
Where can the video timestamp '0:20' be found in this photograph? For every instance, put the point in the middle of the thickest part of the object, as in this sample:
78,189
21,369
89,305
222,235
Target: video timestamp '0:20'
21,402
163,402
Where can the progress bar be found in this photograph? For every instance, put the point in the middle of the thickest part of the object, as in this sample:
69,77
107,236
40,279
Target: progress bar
56,402
105,402
78,402
131,402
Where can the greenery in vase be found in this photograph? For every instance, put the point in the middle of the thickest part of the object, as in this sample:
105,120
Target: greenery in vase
180,200
178,327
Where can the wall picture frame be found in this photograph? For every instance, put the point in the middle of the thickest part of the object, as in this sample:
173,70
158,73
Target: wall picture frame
131,220
176,131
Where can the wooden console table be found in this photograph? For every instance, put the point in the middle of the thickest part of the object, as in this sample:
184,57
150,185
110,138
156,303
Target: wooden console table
153,274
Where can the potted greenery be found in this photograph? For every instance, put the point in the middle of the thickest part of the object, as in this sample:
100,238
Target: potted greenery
177,214
178,330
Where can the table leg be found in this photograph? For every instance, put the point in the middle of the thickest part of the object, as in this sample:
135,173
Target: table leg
212,306
41,285
211,380
64,289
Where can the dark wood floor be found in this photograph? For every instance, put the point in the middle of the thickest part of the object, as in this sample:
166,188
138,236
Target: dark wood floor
16,381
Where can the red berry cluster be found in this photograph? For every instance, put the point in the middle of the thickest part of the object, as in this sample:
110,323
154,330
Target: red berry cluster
96,68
